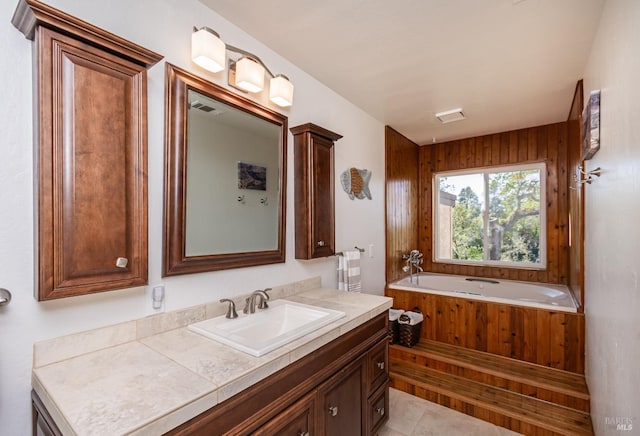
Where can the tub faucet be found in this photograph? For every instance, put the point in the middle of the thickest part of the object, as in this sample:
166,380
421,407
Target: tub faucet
414,260
250,302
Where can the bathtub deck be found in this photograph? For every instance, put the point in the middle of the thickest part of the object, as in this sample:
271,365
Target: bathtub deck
523,397
545,337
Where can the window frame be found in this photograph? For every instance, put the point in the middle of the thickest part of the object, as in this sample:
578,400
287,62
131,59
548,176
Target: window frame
485,171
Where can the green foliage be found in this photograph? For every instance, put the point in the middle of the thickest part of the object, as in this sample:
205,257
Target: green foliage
467,226
514,219
514,207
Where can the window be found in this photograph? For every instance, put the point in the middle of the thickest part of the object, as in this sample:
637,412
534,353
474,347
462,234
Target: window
491,216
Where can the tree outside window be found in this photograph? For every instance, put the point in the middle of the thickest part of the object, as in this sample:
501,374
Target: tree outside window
510,231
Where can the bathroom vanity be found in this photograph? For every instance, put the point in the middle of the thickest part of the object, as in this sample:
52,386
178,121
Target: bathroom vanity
156,376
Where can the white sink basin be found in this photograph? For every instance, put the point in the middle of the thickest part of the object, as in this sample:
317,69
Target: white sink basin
268,329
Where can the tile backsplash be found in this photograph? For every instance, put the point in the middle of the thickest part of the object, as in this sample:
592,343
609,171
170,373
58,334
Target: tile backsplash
73,345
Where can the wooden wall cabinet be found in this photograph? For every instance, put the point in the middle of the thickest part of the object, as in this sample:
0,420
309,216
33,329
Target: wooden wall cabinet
91,154
314,191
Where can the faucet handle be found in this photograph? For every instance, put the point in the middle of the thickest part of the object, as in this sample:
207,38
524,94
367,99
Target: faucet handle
231,310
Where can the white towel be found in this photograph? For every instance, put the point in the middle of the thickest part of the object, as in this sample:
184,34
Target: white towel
411,318
349,271
394,314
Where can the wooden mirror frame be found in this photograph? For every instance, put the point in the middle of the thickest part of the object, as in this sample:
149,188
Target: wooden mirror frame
174,259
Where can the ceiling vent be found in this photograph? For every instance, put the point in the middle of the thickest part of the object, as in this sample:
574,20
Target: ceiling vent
450,116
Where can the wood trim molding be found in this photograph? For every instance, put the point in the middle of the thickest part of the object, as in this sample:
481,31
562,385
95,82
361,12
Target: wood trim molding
30,14
174,259
576,199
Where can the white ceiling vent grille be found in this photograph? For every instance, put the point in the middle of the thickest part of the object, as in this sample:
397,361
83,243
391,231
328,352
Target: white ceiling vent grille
450,116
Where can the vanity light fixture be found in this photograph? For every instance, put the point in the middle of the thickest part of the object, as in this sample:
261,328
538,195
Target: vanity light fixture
207,49
245,74
281,90
249,75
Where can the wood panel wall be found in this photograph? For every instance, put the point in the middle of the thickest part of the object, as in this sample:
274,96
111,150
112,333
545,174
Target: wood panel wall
546,143
550,338
401,200
576,199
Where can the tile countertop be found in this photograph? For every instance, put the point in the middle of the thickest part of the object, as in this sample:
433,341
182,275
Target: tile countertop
150,375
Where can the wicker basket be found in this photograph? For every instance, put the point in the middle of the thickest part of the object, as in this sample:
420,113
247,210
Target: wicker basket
409,334
394,332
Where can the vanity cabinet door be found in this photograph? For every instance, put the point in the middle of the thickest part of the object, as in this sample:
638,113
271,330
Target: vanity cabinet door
314,191
378,365
378,409
340,402
297,420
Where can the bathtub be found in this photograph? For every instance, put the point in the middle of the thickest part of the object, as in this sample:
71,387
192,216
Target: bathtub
537,295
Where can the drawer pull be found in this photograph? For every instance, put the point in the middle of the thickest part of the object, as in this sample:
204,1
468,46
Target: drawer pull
333,410
380,411
303,433
380,365
122,262
320,243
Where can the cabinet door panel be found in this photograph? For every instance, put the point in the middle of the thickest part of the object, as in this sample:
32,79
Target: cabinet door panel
378,365
378,409
297,420
341,401
91,162
323,198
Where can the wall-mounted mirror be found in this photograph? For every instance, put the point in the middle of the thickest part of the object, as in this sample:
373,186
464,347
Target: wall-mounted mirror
225,178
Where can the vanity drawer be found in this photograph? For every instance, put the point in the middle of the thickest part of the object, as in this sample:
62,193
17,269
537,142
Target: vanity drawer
378,408
378,365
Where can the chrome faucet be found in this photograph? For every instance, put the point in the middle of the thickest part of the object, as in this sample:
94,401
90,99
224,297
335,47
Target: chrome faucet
250,302
414,260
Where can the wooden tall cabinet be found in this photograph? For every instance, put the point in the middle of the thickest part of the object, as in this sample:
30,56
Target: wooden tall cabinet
91,154
314,191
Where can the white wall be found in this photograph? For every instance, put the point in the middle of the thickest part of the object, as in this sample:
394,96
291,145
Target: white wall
165,27
612,265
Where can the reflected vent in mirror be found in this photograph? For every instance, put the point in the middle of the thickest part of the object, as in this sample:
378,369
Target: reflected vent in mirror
206,105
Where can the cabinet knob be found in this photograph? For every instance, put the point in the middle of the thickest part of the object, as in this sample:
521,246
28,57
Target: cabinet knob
122,262
380,411
380,365
320,243
303,433
333,410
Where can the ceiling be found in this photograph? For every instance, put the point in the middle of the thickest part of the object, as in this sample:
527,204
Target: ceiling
508,64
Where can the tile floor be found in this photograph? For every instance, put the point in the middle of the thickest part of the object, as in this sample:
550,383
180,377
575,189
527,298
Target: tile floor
413,416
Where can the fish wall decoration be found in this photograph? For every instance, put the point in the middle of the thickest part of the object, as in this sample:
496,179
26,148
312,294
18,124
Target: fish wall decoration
355,183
